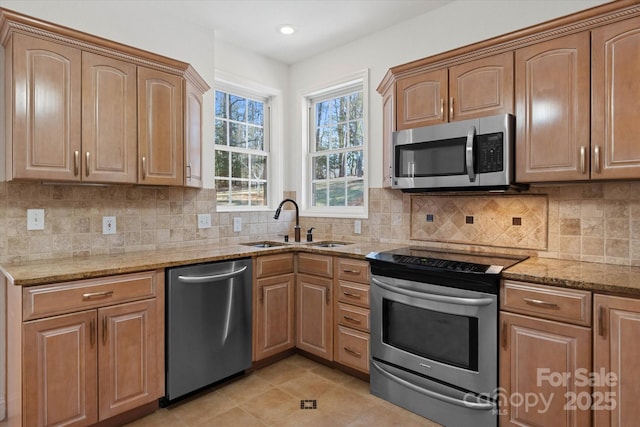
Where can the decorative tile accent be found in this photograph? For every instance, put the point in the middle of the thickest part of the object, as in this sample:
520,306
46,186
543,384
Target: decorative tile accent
482,220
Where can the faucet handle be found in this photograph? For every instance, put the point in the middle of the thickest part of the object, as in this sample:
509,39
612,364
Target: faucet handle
310,235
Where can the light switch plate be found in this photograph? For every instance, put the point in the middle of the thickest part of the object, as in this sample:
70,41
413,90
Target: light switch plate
204,220
108,225
35,219
237,224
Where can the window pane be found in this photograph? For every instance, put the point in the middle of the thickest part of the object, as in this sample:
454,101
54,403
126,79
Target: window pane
255,112
237,135
320,167
255,138
221,132
355,193
323,110
258,167
336,165
320,194
237,108
323,138
222,191
222,163
239,193
339,106
356,138
239,165
354,164
339,137
221,105
355,106
336,193
258,193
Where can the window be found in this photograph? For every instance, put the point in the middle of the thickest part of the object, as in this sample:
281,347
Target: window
241,150
336,151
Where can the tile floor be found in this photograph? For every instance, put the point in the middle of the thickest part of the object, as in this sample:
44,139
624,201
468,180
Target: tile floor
272,396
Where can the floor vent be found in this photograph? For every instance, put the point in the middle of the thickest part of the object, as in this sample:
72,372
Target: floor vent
308,404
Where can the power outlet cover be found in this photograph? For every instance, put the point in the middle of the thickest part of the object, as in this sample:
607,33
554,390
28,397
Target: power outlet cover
35,219
108,225
204,220
237,224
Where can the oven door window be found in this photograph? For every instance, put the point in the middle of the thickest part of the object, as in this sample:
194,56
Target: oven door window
443,337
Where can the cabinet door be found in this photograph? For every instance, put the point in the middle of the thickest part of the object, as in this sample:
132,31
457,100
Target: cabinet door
481,88
46,110
552,110
193,137
388,127
314,316
109,120
421,99
616,100
160,124
541,358
127,355
60,372
274,327
616,351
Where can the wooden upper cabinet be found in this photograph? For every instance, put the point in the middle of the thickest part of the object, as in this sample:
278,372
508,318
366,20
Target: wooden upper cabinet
44,102
421,99
109,120
193,136
552,110
483,87
615,85
160,128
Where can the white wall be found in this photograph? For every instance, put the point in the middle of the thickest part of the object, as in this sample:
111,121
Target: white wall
457,24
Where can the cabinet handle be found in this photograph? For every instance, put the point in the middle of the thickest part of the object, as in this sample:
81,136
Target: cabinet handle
351,319
541,303
328,295
87,163
351,271
104,330
76,162
451,108
504,334
144,167
262,294
441,108
596,153
355,353
92,332
93,295
189,169
601,321
352,295
583,160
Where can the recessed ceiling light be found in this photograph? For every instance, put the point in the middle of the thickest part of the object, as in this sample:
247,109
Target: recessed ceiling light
286,29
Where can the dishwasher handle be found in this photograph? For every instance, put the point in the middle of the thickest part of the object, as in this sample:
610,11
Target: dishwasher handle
211,278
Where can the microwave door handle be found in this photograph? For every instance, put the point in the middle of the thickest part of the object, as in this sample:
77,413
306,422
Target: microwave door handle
433,297
471,136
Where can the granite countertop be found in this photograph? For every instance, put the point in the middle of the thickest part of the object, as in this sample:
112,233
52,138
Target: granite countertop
589,276
65,269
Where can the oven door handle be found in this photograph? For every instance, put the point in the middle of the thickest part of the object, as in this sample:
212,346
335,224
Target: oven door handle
463,403
434,297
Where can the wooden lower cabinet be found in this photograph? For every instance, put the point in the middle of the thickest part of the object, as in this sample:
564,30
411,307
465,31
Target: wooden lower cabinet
274,327
616,351
314,315
539,363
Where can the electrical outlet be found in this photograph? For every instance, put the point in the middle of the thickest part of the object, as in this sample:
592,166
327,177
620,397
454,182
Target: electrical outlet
35,219
357,226
204,220
108,225
237,224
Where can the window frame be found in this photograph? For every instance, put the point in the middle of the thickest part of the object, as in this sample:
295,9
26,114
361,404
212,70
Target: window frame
272,132
343,86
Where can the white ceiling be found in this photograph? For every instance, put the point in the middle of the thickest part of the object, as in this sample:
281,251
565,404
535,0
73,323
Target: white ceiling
320,24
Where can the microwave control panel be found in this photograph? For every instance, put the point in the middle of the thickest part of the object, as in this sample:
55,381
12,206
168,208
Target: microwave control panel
490,153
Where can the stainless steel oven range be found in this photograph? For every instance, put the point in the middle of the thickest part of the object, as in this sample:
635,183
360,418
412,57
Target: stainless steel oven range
434,333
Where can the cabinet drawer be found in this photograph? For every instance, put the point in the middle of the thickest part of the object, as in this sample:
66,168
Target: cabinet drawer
548,302
353,270
353,317
47,300
318,265
272,265
353,349
353,293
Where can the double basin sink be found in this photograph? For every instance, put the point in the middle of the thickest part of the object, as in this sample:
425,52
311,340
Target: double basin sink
321,244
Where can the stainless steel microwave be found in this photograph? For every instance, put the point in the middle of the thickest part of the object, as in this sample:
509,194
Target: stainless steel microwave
475,154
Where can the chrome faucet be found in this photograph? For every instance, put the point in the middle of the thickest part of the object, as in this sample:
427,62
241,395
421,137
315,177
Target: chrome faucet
297,227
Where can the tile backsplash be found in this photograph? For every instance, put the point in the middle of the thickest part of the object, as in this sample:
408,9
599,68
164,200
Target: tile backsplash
597,222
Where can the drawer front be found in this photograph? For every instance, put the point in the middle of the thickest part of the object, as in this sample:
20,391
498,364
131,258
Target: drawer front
48,300
353,349
353,317
273,265
353,293
318,265
548,302
353,270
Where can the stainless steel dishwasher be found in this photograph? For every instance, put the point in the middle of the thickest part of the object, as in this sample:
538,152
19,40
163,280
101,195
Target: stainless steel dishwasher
208,325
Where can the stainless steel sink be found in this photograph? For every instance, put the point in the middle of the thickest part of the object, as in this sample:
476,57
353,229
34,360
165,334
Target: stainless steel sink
264,244
329,244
